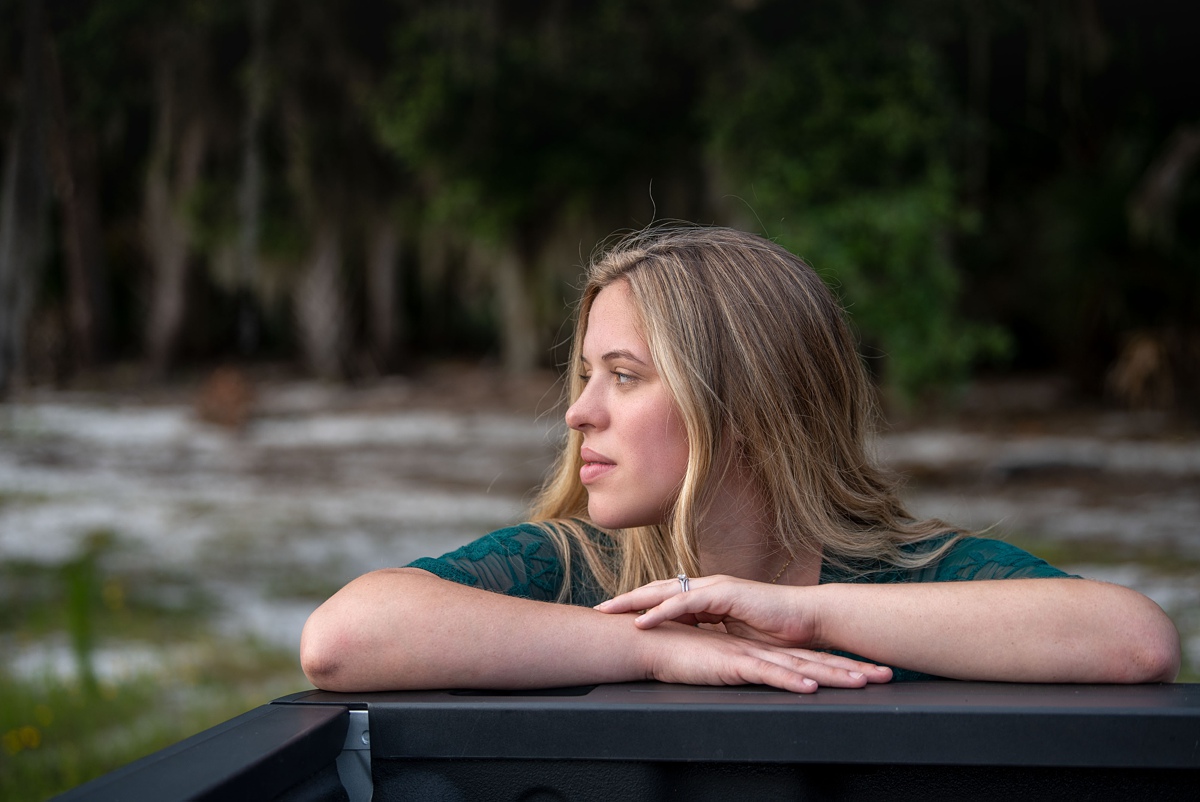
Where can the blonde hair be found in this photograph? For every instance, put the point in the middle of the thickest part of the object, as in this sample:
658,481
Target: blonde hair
759,357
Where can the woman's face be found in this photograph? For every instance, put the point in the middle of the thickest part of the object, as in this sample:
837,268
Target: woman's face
635,449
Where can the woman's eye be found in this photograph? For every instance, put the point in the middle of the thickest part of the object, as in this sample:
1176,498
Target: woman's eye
623,378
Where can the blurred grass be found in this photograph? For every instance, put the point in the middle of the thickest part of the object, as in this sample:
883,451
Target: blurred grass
1155,557
88,597
56,733
169,675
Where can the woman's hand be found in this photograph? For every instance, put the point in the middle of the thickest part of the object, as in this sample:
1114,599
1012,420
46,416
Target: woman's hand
767,623
775,614
698,656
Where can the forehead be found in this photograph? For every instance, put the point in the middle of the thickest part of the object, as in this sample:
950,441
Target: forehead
614,322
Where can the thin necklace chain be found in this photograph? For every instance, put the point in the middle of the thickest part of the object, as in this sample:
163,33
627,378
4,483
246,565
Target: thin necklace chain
784,568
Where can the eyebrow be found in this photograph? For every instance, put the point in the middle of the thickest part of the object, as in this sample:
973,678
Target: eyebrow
612,356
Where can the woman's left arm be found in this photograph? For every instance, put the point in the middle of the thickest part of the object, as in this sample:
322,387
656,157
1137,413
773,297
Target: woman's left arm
1016,630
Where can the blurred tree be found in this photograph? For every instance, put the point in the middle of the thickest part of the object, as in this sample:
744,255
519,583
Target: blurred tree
833,123
74,151
175,48
343,187
250,198
1084,117
519,115
376,178
24,193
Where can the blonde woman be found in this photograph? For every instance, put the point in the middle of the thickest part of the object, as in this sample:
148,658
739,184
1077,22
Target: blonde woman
715,518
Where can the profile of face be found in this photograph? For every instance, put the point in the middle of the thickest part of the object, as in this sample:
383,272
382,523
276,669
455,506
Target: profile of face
635,449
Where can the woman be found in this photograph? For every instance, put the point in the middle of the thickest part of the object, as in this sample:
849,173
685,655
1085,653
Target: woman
718,425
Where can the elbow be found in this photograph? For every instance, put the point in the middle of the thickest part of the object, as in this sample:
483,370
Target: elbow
354,641
1160,657
320,656
1155,652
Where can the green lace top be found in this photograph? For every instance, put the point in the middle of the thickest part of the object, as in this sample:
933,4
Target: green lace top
523,561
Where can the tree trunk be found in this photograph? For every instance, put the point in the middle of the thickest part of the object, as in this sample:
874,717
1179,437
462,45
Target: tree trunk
23,198
250,193
518,334
165,226
320,306
383,293
979,67
73,158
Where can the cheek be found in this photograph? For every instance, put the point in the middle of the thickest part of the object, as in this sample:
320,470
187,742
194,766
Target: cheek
670,443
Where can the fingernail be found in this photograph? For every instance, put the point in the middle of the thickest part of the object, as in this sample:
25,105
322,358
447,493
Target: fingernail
855,675
809,683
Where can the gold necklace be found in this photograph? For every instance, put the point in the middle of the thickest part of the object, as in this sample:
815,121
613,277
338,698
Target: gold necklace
784,568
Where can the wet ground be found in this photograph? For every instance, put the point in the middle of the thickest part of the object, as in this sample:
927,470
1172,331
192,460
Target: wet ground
254,526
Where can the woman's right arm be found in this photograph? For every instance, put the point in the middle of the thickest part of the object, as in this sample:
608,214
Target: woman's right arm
404,628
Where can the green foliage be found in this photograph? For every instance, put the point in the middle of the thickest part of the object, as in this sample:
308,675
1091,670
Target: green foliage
842,154
964,174
511,115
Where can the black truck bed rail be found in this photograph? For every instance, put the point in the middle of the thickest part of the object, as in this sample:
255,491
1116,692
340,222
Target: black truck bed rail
921,740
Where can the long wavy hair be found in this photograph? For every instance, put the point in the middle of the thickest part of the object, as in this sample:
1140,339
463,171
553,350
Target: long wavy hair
758,355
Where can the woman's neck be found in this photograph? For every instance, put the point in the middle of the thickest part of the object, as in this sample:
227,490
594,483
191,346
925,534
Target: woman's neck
737,538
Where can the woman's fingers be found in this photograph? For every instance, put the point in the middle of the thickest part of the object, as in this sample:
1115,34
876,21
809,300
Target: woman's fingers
644,597
710,599
710,658
665,600
830,670
804,673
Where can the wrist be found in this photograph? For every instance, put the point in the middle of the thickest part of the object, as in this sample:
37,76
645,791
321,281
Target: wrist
822,605
656,651
642,649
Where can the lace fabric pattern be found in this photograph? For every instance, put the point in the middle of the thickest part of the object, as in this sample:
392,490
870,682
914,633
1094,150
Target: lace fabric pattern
517,561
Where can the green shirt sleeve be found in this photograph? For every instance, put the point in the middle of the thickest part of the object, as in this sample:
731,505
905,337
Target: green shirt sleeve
981,558
518,561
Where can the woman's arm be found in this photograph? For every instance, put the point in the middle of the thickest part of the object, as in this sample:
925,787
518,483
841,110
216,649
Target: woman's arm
406,628
1021,630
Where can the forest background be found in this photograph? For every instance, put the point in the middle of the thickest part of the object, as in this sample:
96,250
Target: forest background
365,186
290,218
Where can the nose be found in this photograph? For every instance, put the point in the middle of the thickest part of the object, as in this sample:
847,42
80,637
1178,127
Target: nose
585,413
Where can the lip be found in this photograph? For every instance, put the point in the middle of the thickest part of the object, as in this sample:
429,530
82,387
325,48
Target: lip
594,466
589,455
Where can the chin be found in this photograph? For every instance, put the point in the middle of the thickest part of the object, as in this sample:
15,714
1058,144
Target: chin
620,519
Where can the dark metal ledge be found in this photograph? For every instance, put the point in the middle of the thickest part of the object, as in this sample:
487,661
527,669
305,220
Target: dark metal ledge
936,740
263,754
920,723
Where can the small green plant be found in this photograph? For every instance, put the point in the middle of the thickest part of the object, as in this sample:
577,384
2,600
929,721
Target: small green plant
55,734
64,725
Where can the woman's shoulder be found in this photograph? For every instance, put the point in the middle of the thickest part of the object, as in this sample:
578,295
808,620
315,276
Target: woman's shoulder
525,559
962,558
971,558
518,560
